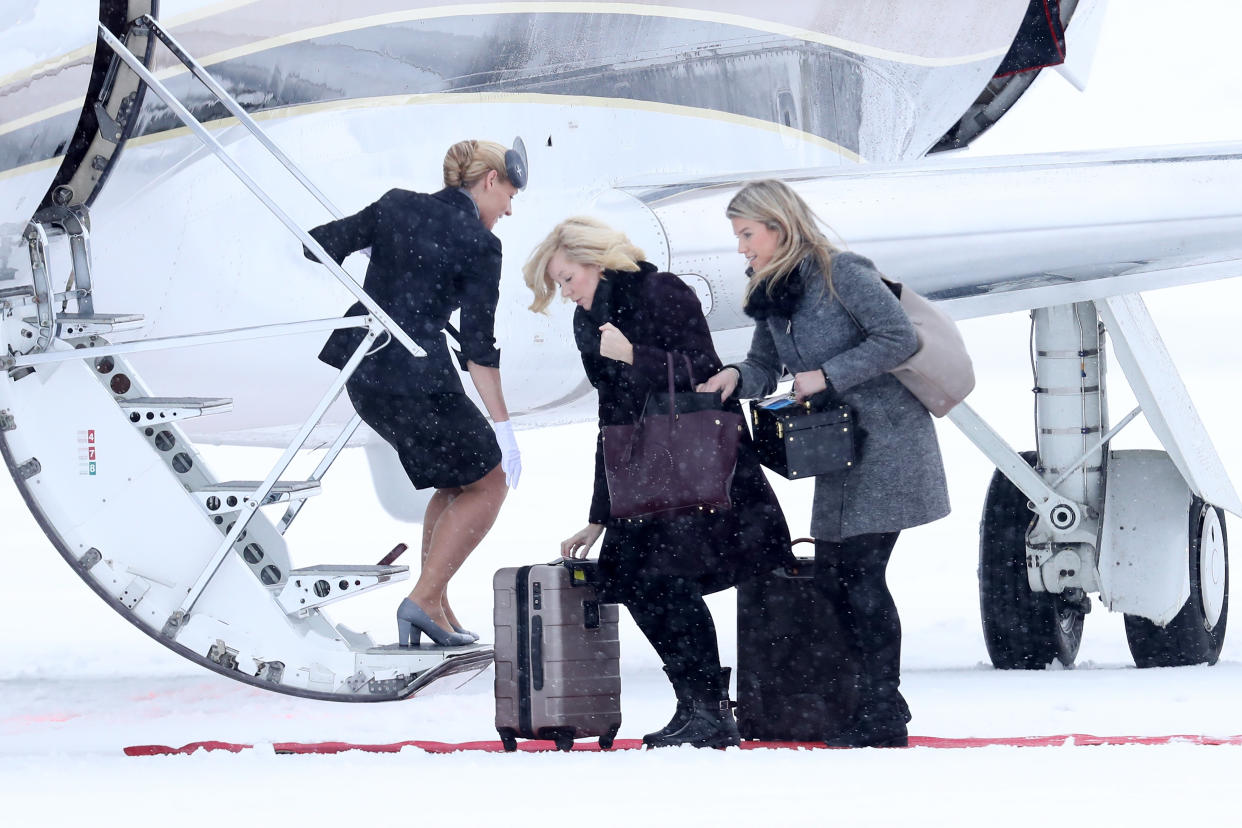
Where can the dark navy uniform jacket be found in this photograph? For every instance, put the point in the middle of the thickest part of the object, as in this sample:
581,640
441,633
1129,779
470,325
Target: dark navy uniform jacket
430,254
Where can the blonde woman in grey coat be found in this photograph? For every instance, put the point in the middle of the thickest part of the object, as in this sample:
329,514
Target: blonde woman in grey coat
826,317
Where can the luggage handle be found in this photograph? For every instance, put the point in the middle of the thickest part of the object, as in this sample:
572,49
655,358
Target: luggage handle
577,577
804,540
672,402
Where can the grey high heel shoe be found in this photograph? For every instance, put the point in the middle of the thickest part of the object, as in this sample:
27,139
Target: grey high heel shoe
413,621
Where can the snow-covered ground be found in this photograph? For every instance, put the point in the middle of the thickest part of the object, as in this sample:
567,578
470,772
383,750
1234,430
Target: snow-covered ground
77,683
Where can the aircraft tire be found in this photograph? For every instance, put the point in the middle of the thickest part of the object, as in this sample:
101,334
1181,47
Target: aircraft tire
1197,633
1023,629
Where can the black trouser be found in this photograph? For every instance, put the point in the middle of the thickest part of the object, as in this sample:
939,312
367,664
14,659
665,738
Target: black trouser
671,613
851,574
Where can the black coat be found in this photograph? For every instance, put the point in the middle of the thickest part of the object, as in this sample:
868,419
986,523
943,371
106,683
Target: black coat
660,314
430,254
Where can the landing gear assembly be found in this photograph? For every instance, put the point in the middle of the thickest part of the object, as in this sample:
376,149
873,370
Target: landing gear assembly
1076,517
1023,629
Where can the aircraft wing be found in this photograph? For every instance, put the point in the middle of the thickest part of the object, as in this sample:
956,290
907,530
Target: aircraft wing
984,236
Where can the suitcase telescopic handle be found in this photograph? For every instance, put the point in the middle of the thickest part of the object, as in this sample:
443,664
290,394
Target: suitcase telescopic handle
804,540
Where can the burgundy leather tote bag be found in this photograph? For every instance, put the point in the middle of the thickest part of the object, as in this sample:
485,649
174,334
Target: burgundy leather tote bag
671,462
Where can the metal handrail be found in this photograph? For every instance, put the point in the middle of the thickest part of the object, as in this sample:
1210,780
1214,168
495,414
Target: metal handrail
307,240
234,108
243,117
338,445
186,341
251,507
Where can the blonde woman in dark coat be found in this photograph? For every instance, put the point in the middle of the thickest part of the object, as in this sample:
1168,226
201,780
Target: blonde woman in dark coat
826,317
630,318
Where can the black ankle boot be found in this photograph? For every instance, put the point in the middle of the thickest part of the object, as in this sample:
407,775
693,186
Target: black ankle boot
710,722
685,705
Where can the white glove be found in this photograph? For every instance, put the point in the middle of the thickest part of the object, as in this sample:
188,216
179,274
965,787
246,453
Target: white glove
510,457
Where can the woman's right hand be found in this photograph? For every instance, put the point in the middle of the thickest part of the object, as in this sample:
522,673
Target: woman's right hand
725,382
580,544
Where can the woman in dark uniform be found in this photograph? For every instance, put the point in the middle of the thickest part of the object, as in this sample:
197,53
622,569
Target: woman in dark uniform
629,319
430,255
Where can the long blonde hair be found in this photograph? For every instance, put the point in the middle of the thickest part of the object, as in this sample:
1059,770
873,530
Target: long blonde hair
776,206
468,161
583,240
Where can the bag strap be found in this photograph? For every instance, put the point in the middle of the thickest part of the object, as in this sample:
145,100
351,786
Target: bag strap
672,389
672,393
895,287
672,376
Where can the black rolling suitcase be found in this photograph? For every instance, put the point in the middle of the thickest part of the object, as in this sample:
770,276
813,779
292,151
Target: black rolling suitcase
558,666
796,676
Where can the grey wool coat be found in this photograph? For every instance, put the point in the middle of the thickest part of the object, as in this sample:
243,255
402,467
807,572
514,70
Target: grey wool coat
899,480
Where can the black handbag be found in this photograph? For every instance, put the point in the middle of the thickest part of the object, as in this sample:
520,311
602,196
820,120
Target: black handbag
804,439
671,461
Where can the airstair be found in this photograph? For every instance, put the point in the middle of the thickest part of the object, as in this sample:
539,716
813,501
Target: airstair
105,467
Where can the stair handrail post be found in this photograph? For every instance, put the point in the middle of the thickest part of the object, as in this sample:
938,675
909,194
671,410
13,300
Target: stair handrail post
334,451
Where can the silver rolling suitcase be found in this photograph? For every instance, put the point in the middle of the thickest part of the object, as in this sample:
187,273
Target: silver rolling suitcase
558,668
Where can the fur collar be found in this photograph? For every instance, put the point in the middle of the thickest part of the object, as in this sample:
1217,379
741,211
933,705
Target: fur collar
783,302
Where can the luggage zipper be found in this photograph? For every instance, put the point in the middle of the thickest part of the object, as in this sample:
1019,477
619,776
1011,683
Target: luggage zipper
523,653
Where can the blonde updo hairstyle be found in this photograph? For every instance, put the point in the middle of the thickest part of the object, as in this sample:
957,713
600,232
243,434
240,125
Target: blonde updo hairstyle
583,240
776,206
468,161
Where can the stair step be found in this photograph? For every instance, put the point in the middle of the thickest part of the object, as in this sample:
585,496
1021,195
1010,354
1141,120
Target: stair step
232,495
73,325
314,586
146,410
345,570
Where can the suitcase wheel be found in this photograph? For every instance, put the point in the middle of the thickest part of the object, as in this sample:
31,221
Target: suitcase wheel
508,741
605,741
564,741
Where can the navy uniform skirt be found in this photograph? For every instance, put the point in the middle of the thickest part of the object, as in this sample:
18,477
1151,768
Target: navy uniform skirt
443,440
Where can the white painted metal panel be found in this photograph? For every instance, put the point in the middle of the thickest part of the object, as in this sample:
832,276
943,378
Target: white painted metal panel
1144,544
